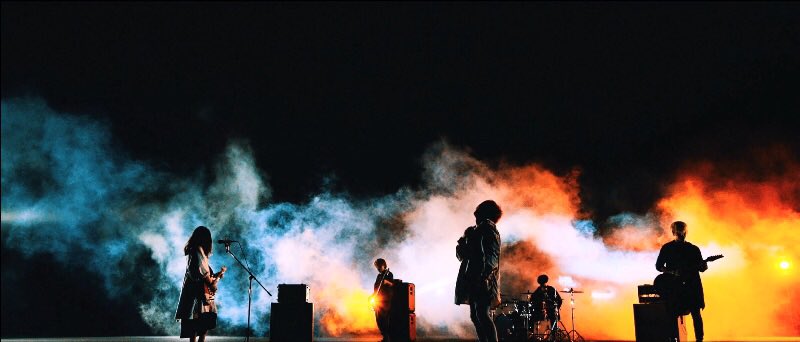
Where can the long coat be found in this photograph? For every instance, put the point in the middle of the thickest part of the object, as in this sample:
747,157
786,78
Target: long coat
193,300
462,288
479,273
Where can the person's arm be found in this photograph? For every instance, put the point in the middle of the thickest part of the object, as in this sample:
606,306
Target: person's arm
702,265
490,250
461,247
204,269
388,280
661,260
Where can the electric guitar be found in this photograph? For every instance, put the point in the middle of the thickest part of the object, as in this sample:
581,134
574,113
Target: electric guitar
372,298
210,291
671,286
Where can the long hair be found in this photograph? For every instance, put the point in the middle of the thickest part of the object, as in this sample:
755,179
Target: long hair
201,237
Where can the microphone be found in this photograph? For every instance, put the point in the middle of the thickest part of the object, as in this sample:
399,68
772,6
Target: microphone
226,242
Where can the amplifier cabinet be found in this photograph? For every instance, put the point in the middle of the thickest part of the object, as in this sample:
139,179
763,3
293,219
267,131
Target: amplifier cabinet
291,322
403,297
293,293
403,328
653,323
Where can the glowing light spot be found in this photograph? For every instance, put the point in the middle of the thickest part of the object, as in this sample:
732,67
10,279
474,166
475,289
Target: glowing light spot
784,264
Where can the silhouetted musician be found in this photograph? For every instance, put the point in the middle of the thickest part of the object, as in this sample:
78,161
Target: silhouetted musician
545,300
680,285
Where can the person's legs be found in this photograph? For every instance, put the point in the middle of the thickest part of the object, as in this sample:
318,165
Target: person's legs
201,335
697,321
473,315
188,329
485,320
382,319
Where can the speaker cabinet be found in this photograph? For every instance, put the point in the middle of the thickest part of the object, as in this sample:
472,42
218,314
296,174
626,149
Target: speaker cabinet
403,298
291,322
402,319
653,323
403,327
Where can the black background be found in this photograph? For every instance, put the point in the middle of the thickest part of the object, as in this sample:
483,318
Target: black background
627,93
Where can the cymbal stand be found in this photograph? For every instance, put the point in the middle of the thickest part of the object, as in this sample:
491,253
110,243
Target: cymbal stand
573,334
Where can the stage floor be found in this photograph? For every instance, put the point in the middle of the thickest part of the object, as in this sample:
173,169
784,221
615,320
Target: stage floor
320,339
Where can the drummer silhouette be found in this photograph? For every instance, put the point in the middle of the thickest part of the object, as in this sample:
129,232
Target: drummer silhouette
545,301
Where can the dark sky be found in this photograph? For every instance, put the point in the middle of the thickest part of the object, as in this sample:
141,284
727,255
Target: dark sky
625,92
359,91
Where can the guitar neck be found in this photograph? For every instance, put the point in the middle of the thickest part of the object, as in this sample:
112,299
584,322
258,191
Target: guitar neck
713,257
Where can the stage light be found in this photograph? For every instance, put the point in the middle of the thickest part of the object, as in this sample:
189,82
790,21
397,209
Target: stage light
784,264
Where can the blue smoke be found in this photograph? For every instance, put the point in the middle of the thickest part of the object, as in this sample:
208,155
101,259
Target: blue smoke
586,227
67,190
646,221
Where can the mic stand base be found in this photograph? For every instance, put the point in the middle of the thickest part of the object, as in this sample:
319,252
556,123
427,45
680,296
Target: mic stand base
249,289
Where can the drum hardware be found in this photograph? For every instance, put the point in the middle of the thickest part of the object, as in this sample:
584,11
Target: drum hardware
521,320
545,318
573,334
571,290
512,320
552,331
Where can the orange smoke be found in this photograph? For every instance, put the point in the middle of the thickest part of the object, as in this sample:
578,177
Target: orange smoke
350,313
755,224
749,293
538,190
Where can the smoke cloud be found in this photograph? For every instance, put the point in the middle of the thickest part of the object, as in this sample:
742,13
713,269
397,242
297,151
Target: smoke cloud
66,188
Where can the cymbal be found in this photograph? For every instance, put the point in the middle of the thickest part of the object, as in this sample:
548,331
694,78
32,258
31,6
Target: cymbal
571,291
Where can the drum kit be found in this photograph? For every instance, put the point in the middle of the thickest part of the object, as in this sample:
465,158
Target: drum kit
520,320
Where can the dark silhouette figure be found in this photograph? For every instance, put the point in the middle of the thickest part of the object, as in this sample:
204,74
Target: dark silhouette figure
545,300
477,283
684,262
197,309
382,297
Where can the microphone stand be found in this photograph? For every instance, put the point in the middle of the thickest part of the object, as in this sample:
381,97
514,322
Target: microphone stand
249,288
